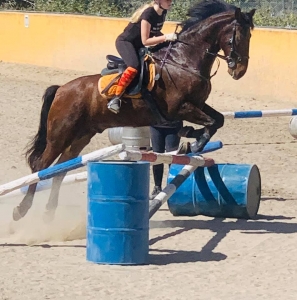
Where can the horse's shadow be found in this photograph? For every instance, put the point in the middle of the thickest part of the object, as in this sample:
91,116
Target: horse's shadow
260,225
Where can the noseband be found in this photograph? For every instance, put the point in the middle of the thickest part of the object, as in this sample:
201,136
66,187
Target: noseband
234,57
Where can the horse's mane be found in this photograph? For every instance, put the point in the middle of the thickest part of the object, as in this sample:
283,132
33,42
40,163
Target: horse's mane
204,9
197,13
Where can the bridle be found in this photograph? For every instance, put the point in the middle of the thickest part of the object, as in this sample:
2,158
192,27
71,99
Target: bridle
234,57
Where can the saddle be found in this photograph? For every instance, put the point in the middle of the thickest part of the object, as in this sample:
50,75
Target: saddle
116,66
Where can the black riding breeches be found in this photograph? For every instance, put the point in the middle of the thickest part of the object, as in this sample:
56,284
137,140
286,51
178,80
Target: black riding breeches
163,139
128,53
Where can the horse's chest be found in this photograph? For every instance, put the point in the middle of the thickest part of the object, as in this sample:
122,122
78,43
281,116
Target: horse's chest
201,89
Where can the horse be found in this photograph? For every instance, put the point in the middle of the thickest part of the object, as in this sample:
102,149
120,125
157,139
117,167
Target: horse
73,113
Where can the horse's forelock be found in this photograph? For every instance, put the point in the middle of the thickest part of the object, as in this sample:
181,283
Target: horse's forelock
246,20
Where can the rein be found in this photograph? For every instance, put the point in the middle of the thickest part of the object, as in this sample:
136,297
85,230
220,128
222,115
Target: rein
163,61
185,68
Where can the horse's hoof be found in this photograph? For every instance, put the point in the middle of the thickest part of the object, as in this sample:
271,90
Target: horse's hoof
196,147
17,214
181,149
199,145
184,148
48,216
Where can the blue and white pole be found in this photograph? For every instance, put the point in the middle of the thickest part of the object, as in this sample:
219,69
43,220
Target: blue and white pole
260,113
61,168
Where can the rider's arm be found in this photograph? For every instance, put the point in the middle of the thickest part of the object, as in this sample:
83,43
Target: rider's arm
145,33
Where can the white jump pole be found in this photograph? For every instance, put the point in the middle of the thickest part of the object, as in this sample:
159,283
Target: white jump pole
166,158
46,184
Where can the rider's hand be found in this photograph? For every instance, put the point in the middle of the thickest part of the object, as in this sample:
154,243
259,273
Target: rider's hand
170,37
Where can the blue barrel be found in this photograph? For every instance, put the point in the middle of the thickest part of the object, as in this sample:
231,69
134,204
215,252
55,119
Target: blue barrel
223,190
118,212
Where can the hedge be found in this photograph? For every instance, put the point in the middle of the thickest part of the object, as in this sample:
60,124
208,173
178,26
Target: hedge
268,12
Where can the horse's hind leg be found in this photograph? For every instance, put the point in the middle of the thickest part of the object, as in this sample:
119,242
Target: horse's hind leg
21,210
54,195
47,158
209,117
70,153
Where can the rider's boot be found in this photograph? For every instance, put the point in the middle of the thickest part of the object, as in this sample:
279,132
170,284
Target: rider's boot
128,75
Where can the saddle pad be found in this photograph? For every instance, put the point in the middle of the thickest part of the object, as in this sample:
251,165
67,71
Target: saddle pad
152,72
105,80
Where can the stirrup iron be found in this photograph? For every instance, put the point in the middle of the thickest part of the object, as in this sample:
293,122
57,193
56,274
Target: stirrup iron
114,105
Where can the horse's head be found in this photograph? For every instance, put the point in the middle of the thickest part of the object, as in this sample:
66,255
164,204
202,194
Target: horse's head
235,42
215,25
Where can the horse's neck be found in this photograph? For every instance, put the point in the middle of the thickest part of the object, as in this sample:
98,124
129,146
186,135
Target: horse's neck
196,40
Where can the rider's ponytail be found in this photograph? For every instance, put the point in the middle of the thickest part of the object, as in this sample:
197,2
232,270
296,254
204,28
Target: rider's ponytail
135,17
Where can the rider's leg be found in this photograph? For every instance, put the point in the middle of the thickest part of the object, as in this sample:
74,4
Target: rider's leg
172,138
115,103
130,57
158,145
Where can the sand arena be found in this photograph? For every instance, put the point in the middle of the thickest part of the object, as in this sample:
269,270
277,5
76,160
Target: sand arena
190,258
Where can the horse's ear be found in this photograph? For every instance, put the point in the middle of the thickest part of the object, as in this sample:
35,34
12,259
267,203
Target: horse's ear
250,17
252,12
238,15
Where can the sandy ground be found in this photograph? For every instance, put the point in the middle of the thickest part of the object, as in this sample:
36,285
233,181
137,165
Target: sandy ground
190,258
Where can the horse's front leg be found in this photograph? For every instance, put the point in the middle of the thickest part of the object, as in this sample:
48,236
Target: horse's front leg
208,117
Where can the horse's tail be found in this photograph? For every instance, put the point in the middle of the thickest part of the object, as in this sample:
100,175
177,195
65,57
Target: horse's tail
37,145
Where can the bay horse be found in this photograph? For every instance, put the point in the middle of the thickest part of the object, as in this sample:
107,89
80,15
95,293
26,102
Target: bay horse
73,113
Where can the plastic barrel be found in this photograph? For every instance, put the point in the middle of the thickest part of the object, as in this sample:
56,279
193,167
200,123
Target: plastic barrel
115,135
118,212
135,138
138,138
293,127
223,190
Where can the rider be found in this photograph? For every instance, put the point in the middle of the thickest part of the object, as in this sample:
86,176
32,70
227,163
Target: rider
143,30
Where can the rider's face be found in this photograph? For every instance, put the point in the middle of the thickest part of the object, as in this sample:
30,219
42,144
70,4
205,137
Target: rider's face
166,4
